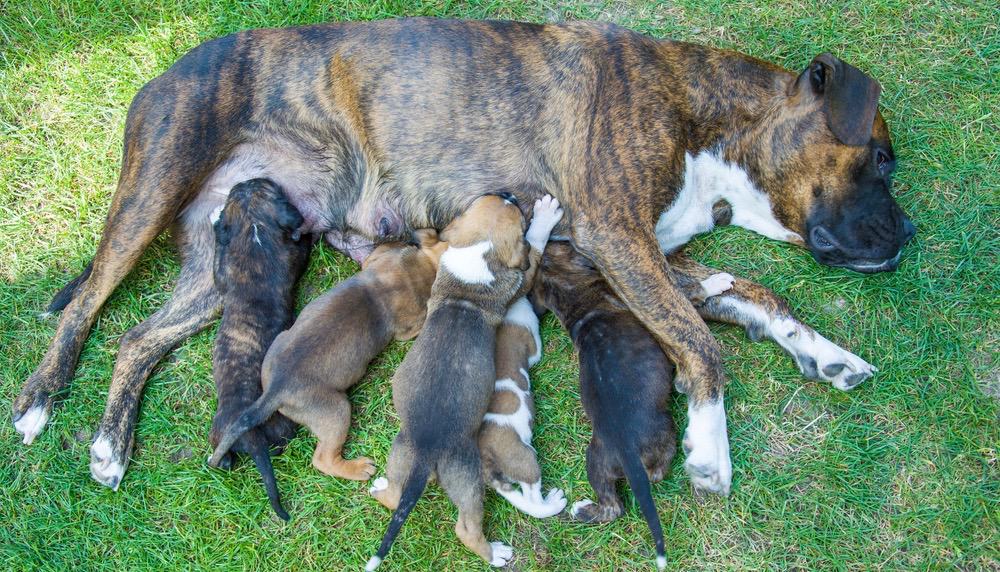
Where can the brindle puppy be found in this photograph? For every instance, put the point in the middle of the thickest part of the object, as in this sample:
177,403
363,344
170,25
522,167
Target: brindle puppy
310,366
259,259
622,369
443,387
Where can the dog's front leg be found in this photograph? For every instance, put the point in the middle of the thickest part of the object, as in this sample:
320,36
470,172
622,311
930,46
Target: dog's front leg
633,264
765,314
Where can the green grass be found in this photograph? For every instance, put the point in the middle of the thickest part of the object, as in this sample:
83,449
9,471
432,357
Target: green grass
901,473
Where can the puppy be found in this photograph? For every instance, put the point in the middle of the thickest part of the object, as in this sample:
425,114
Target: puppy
311,365
442,389
505,437
625,383
259,258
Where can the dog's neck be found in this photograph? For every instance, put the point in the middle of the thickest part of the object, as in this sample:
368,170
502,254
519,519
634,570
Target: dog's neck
731,98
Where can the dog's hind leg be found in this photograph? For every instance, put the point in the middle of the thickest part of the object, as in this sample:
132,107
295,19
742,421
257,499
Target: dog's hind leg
159,174
765,314
460,476
195,303
602,473
330,420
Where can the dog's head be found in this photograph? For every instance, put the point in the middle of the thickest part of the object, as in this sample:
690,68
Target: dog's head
495,218
825,159
257,215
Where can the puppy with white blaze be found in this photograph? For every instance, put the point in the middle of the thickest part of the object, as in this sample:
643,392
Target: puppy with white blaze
442,389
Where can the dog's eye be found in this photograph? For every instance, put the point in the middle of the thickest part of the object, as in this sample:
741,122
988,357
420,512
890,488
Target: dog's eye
883,162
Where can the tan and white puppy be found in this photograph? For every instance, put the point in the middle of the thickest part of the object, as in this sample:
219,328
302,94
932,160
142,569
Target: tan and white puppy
310,366
509,460
442,389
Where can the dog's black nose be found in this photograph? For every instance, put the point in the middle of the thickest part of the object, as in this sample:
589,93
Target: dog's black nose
909,230
508,197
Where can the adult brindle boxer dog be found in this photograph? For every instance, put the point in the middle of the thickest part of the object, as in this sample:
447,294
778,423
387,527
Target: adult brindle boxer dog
376,128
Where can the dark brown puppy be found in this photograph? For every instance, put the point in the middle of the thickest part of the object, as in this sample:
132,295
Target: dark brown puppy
310,366
622,373
442,389
637,137
259,259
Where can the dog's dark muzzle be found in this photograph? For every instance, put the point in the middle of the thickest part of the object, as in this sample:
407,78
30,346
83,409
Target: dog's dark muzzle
829,250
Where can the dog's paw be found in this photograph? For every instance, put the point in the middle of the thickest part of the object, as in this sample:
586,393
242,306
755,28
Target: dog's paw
378,485
589,511
546,214
556,500
819,358
706,444
108,461
717,284
501,554
574,511
31,422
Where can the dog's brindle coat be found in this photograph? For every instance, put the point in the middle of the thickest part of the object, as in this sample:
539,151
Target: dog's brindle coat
259,259
377,127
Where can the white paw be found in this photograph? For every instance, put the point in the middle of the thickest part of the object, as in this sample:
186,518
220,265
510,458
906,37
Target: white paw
578,505
502,554
706,443
819,358
379,484
546,214
555,501
106,467
31,423
717,284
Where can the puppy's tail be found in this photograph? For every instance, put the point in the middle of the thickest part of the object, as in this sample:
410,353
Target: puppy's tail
259,412
261,455
635,473
413,488
65,296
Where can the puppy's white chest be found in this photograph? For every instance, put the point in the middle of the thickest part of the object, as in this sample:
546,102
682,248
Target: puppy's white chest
707,180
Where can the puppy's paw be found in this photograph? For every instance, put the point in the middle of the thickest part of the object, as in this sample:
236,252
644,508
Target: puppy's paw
706,443
108,460
574,511
819,358
589,511
555,498
547,213
717,284
31,422
502,554
378,485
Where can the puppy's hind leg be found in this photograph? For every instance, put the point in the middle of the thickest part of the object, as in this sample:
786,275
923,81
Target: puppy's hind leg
330,420
388,489
460,476
602,473
195,303
520,464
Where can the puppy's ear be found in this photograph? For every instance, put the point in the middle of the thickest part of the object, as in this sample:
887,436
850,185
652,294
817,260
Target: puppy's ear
290,221
425,237
850,97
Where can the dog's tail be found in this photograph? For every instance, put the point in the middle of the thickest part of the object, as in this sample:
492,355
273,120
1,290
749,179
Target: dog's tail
261,455
638,480
413,488
259,412
65,296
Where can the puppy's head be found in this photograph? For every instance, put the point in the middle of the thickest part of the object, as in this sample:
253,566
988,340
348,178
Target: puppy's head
495,218
258,216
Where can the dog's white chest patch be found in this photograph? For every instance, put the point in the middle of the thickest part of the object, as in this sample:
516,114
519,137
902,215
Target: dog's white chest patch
468,263
707,180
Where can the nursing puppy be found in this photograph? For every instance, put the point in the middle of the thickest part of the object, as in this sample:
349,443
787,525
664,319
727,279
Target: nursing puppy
259,258
311,365
508,458
442,389
624,383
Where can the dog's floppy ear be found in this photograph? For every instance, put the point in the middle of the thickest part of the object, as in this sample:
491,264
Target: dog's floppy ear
850,97
290,220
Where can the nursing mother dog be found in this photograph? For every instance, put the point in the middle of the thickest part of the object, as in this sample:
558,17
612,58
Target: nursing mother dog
377,128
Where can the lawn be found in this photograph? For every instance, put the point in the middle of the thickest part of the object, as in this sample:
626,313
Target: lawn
902,473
